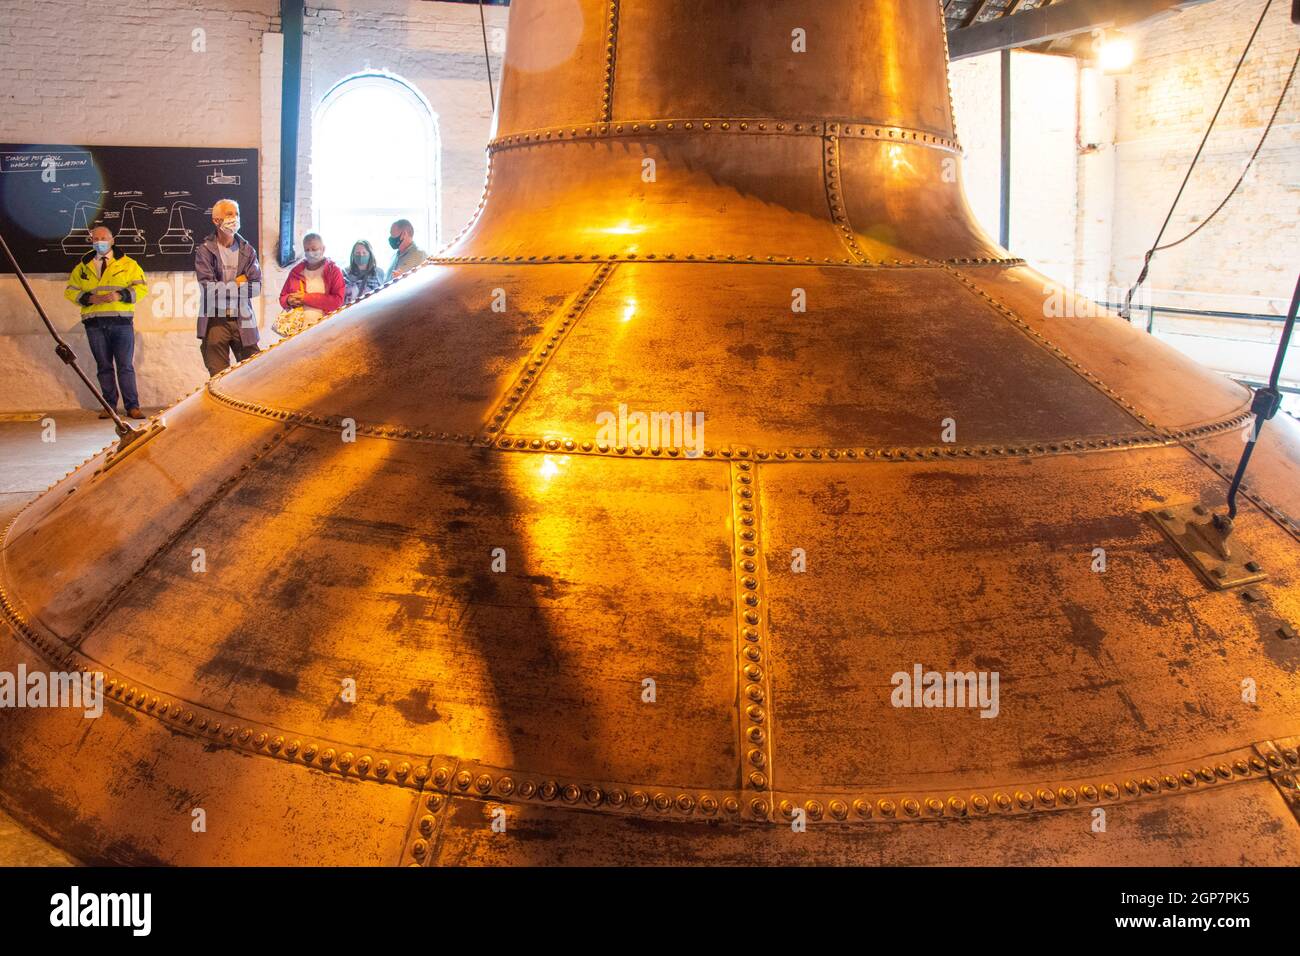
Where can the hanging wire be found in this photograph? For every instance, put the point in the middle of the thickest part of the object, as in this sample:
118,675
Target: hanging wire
1155,246
1245,172
482,22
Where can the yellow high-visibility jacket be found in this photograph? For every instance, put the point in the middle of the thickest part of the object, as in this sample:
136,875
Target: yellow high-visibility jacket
123,276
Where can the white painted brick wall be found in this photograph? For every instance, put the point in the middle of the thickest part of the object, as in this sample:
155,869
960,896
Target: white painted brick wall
1145,126
1085,220
1245,260
164,94
1044,175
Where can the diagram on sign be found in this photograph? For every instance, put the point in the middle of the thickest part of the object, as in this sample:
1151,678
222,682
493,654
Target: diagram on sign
155,200
77,241
219,178
177,240
130,239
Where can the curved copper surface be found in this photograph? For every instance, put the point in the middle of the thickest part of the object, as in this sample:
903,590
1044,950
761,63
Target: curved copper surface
667,286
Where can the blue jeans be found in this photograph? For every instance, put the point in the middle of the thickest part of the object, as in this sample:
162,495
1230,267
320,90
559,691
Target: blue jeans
115,344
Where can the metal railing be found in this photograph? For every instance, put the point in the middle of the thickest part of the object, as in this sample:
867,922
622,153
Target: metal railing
1153,310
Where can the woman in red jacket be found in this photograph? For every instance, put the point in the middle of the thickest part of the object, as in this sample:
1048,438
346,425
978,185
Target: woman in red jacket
316,283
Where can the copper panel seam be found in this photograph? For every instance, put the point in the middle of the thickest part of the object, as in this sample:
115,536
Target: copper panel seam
880,804
749,125
218,493
1265,759
214,727
424,833
720,258
835,192
754,694
536,364
844,454
1055,350
889,804
1226,470
1284,770
611,60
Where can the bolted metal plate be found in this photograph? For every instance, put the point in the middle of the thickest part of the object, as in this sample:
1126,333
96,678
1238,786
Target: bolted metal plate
1190,527
989,567
374,562
871,362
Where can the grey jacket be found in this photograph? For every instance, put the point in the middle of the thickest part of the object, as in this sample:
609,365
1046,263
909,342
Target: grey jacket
219,300
405,261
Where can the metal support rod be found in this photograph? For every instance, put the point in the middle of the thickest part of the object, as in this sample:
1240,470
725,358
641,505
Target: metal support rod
291,17
64,351
1004,227
1267,402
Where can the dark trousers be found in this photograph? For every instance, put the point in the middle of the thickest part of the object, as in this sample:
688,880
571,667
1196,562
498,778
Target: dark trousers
115,345
222,338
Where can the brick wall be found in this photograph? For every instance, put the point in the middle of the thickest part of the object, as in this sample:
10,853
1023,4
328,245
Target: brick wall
1083,217
1245,259
1136,136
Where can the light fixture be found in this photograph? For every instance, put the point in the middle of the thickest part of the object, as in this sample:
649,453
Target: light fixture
1115,53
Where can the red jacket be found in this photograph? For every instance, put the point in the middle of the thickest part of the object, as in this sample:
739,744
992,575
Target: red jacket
327,301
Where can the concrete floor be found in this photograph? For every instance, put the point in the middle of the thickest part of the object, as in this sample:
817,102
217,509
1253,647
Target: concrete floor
30,463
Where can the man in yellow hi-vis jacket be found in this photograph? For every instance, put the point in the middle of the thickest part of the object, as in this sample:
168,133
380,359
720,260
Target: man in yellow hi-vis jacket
107,285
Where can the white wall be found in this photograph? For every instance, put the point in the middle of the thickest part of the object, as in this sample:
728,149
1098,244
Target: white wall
1043,168
165,93
1088,201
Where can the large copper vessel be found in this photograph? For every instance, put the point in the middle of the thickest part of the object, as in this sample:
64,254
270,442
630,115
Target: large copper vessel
491,630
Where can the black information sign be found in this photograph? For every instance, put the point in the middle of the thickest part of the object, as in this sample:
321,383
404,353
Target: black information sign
157,200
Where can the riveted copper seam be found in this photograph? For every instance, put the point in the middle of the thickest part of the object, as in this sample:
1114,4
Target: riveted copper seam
424,832
443,775
611,61
218,728
503,785
643,129
1283,759
1227,471
887,805
558,330
843,455
718,258
1055,350
835,192
754,695
218,493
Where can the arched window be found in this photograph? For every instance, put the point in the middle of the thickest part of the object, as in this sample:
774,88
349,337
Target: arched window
375,158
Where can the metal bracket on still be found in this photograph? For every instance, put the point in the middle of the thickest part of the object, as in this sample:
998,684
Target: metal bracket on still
131,442
1220,560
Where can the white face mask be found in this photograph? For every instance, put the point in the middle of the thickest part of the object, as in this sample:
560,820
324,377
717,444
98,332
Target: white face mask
229,225
313,257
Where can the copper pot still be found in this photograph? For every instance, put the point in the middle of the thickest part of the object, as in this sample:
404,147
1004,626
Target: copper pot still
722,493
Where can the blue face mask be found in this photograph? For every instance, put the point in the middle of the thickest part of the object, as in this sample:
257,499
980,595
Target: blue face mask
102,247
362,258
